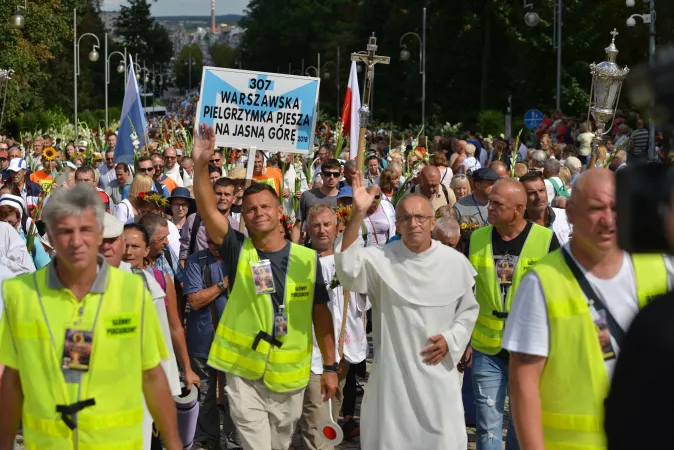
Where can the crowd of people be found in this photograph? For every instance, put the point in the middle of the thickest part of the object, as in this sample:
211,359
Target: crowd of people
455,255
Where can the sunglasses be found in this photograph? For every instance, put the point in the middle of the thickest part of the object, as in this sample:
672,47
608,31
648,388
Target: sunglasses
159,167
332,174
109,159
145,169
377,197
171,157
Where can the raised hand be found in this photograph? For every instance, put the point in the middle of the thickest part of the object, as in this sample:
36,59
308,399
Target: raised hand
204,144
362,199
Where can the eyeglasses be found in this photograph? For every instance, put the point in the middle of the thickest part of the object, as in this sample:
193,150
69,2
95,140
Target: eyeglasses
377,197
407,218
214,161
158,167
171,157
332,174
181,205
109,159
145,169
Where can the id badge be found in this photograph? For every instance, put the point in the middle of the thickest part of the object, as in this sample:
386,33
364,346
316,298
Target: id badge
505,268
604,336
280,323
77,350
263,278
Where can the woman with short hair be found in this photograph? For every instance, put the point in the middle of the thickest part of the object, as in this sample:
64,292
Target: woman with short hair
460,185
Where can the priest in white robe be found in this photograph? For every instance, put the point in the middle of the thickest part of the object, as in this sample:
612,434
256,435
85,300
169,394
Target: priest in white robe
423,313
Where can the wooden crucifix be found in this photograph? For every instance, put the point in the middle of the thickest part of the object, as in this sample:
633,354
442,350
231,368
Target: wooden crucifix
369,58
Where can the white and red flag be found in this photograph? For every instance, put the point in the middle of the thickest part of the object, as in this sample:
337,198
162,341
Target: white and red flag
350,116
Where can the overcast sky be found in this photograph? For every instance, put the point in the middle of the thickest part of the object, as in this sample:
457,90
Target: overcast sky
185,7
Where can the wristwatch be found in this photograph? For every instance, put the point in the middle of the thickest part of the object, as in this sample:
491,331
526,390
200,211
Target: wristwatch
332,368
221,285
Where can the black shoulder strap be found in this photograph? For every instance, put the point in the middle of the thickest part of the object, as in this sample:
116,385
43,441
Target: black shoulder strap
169,258
616,331
195,230
157,186
24,222
444,191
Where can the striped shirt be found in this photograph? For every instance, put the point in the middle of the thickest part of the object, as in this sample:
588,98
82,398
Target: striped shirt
639,141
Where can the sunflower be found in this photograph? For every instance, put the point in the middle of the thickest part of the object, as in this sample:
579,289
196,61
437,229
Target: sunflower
49,153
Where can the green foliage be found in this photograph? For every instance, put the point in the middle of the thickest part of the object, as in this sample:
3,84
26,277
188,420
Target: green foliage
182,67
142,35
223,55
491,122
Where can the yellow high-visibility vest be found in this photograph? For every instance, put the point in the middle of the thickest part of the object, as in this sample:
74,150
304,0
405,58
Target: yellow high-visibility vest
488,331
574,382
112,387
244,342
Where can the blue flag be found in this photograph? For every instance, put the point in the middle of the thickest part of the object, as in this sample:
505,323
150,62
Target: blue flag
132,120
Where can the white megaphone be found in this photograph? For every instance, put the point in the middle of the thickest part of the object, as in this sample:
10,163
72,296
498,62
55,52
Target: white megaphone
330,431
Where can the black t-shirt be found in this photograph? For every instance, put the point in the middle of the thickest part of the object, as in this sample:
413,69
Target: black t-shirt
236,209
231,250
506,254
638,406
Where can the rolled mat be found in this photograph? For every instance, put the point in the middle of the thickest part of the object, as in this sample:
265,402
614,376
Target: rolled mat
187,406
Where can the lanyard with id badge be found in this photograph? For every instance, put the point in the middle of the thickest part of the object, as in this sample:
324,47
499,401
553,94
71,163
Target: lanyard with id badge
263,279
78,342
605,325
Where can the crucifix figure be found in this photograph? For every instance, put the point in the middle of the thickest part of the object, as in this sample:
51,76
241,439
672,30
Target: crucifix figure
370,58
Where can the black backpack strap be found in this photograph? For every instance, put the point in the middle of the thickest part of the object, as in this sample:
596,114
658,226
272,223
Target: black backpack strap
169,258
24,222
158,187
444,191
195,230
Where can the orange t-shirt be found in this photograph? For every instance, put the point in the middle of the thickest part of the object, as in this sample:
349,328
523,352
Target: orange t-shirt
169,183
273,177
42,178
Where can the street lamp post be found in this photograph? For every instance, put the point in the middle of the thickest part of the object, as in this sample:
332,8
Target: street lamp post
405,55
327,75
93,57
189,63
648,19
17,20
532,19
120,68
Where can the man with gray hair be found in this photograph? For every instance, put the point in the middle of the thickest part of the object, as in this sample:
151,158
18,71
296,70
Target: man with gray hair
90,312
574,165
447,231
553,184
423,326
537,162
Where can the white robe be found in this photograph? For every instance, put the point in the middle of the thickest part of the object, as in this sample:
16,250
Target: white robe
409,404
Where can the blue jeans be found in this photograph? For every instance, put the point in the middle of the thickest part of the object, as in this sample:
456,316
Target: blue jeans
490,386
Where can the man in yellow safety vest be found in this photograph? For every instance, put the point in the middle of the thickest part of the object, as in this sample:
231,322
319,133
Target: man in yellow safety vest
568,319
81,343
501,254
264,339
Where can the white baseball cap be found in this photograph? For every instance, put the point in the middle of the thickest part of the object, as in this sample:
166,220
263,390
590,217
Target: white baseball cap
112,227
17,164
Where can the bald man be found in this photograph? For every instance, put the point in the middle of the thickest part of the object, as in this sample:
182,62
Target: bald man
501,253
564,339
422,326
500,168
430,187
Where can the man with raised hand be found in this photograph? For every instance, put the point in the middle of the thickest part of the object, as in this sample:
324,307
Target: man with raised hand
277,291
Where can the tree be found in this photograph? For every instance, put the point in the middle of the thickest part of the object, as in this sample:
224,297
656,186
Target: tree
223,55
142,36
190,57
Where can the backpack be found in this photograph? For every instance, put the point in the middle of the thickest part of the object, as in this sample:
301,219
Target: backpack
158,187
195,230
559,190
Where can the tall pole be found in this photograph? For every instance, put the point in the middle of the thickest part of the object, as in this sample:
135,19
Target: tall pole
651,63
126,69
190,65
107,80
318,74
559,54
75,58
338,111
423,73
145,85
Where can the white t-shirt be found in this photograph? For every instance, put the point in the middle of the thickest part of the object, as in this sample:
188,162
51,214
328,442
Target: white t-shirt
551,189
528,330
355,339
